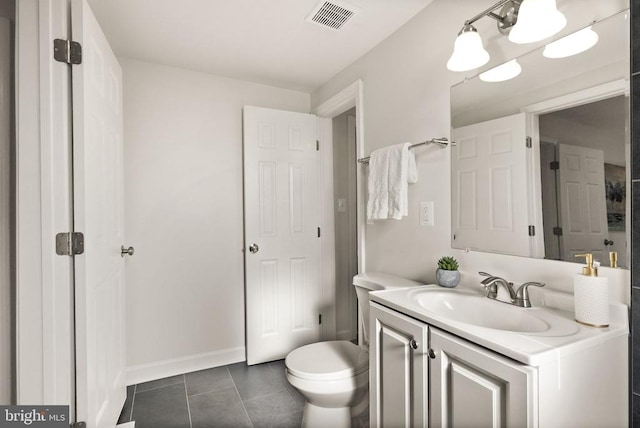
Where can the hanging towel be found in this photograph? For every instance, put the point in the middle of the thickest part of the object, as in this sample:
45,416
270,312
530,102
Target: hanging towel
390,171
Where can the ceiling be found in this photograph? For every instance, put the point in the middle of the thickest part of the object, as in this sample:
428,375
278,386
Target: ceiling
263,41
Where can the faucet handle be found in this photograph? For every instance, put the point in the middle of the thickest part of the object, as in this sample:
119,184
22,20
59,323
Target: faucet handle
522,295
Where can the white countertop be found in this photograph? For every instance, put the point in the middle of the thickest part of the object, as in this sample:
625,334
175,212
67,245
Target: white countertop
565,336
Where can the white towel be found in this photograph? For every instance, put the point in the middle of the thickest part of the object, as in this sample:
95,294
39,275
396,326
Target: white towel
390,171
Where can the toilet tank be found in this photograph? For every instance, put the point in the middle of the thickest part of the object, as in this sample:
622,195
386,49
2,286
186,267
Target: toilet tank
374,281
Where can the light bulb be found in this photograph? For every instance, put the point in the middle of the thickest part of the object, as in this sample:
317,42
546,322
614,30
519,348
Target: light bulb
572,44
537,20
503,72
468,51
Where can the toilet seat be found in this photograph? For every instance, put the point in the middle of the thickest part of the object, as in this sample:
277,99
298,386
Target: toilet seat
328,361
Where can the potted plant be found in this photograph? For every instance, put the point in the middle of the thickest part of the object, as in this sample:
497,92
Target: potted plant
447,273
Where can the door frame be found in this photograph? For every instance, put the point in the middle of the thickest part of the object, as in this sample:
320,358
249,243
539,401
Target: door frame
585,96
44,323
347,98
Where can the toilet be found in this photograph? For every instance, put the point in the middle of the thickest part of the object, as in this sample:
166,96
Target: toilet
333,376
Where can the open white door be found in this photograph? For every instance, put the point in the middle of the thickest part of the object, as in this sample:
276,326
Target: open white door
583,207
282,234
489,185
99,214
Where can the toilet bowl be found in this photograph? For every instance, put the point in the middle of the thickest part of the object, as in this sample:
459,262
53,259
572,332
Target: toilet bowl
333,376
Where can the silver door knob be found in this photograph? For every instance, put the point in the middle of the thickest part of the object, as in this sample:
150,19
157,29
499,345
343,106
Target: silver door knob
253,248
126,251
432,353
413,344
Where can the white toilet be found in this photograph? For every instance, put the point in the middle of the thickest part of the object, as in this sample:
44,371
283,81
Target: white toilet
334,376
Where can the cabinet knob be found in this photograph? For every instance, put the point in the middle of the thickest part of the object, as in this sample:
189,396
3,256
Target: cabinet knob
413,344
432,353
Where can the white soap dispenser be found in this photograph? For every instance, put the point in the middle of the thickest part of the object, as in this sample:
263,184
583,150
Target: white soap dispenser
591,295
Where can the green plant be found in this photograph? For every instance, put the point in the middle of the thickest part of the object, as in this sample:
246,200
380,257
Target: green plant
447,263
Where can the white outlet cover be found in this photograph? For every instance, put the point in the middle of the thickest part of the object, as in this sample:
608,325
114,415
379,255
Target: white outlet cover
426,214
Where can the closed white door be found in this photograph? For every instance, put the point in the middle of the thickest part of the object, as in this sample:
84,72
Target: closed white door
489,182
583,206
282,232
99,214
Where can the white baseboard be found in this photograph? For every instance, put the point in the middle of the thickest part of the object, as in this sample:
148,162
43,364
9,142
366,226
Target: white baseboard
191,363
131,424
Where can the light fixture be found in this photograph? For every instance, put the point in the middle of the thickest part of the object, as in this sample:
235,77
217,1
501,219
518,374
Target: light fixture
537,20
503,72
534,19
468,52
572,44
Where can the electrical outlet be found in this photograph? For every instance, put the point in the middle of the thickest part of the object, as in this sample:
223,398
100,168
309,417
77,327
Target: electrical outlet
426,214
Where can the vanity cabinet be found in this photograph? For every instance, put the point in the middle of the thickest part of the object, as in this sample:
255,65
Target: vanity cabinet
398,369
421,375
472,387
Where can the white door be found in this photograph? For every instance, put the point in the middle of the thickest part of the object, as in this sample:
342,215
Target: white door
489,182
282,234
583,206
98,213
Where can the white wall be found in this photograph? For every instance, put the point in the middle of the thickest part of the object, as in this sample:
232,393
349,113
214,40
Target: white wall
344,187
406,98
184,215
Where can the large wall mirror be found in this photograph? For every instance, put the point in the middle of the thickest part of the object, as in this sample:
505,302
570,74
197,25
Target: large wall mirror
541,166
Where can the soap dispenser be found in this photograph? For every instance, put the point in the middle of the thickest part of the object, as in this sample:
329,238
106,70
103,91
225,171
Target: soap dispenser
591,295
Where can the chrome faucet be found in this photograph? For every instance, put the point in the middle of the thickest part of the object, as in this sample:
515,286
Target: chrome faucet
519,297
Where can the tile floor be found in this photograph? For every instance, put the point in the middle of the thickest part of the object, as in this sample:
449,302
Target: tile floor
231,396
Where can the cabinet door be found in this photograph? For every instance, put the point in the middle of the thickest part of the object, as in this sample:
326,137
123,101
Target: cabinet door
474,387
398,369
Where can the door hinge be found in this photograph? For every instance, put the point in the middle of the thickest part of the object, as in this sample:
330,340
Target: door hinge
69,243
532,230
529,142
78,425
554,165
317,145
318,232
67,51
319,318
557,231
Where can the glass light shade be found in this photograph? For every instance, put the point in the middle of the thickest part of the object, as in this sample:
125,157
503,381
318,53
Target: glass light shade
503,72
468,51
572,44
537,20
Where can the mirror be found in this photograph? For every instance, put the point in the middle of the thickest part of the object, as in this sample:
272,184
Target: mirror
541,166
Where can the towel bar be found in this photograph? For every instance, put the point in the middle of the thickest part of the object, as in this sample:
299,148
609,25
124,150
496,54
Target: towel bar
442,142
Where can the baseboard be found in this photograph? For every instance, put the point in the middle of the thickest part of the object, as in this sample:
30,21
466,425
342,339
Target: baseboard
131,424
191,363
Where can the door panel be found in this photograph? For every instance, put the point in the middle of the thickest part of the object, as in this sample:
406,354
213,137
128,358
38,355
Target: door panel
583,211
282,208
473,387
398,369
489,184
99,214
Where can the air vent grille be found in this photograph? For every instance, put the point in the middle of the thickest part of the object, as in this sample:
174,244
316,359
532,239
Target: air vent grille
330,15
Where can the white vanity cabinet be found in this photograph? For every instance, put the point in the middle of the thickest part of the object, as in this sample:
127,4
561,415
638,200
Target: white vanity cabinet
422,375
472,387
398,369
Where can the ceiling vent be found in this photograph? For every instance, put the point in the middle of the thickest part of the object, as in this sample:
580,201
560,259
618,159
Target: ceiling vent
331,14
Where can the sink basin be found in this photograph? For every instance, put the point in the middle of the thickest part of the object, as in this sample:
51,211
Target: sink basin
479,311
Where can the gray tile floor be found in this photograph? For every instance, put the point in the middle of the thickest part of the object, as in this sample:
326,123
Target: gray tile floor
229,396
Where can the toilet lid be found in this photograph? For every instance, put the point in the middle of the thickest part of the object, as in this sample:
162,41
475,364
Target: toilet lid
332,360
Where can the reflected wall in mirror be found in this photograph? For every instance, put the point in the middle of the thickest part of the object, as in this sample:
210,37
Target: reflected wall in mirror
541,163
